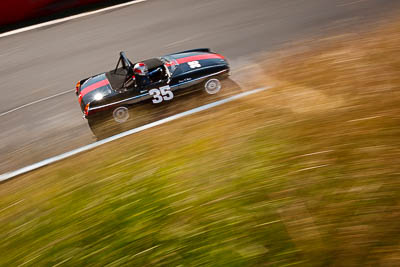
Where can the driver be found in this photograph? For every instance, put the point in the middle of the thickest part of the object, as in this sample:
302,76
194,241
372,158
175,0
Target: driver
144,77
141,73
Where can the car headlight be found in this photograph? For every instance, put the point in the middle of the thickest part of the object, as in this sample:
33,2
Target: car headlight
98,96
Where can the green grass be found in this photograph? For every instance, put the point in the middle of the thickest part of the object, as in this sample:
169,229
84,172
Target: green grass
304,174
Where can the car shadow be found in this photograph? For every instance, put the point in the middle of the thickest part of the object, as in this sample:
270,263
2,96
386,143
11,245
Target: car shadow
148,112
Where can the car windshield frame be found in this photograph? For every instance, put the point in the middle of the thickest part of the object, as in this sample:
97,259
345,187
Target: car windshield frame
125,62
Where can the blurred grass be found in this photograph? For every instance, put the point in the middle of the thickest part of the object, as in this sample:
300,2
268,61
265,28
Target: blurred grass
304,174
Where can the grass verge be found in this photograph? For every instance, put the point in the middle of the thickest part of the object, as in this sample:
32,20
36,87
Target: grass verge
305,174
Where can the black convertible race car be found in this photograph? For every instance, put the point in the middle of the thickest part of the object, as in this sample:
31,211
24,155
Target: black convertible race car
110,94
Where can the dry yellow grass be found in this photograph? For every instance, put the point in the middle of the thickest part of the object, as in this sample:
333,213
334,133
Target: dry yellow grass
343,93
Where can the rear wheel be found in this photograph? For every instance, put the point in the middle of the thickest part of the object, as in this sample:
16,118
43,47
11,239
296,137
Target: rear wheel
212,86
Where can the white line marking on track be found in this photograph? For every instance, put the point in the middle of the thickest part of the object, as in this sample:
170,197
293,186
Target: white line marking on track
51,160
56,21
35,102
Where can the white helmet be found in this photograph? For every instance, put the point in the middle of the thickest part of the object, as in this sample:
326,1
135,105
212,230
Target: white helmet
140,69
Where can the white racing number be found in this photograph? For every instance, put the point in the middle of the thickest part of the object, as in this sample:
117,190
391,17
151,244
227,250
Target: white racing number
161,94
194,64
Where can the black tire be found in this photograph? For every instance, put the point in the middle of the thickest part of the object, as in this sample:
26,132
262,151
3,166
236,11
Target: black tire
212,86
121,114
225,83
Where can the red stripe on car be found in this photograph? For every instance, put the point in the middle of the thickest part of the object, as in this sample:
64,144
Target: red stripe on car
198,57
92,87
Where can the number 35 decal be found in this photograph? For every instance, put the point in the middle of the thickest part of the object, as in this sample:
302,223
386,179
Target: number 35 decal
161,94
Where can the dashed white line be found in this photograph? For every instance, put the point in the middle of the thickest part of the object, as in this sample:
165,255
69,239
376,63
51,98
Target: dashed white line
56,21
35,102
51,160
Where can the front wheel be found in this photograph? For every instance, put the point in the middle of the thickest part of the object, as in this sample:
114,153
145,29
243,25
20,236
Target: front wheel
121,114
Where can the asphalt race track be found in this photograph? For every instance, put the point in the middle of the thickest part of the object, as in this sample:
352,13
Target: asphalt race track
49,61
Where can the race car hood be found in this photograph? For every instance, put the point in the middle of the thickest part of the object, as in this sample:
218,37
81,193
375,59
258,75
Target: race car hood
94,89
